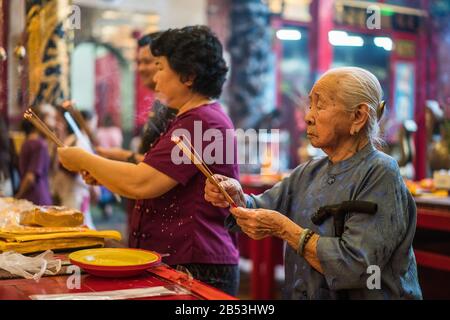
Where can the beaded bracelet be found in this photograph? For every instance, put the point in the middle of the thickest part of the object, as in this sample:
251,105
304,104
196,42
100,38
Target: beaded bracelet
304,238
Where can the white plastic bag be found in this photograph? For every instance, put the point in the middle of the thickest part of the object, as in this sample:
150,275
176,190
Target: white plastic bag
169,290
30,267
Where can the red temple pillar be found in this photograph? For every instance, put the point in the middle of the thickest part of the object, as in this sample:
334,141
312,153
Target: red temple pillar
419,112
426,88
321,51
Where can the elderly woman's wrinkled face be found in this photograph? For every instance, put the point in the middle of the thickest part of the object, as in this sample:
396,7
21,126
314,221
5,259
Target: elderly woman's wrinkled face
328,124
169,87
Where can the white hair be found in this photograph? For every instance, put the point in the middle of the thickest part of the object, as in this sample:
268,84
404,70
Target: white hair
356,86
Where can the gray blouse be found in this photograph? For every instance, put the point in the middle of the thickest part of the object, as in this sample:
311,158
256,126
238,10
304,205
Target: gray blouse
382,241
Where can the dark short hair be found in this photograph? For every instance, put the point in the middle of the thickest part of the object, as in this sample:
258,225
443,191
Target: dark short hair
147,39
196,52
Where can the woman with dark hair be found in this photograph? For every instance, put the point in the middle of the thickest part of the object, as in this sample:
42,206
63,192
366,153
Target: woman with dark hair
171,215
34,163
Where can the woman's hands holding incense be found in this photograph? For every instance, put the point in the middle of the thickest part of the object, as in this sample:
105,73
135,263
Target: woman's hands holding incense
72,158
231,186
88,179
262,223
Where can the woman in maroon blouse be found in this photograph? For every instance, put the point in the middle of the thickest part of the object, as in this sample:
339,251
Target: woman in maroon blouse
171,215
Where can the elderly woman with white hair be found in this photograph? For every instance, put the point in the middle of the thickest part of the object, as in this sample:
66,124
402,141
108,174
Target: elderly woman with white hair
367,256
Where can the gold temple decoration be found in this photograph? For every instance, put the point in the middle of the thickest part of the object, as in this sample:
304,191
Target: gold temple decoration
47,48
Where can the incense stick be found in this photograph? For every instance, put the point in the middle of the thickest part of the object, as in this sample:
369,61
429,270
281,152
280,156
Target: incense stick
76,114
188,143
42,127
202,167
196,159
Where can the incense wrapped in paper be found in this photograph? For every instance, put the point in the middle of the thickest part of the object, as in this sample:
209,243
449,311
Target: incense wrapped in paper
51,244
51,216
26,228
23,237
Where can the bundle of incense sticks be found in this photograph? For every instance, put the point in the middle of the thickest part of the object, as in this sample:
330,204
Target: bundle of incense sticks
189,150
42,127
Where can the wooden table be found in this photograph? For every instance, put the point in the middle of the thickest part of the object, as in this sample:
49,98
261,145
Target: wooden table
23,289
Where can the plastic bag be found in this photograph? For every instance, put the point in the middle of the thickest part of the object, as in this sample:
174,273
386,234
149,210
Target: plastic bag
160,291
30,267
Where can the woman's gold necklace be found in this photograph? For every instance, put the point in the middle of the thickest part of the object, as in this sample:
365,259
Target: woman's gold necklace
203,101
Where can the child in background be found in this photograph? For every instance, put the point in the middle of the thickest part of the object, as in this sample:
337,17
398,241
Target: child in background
69,187
34,165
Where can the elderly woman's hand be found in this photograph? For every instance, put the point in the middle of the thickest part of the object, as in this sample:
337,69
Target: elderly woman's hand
231,186
71,158
260,223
